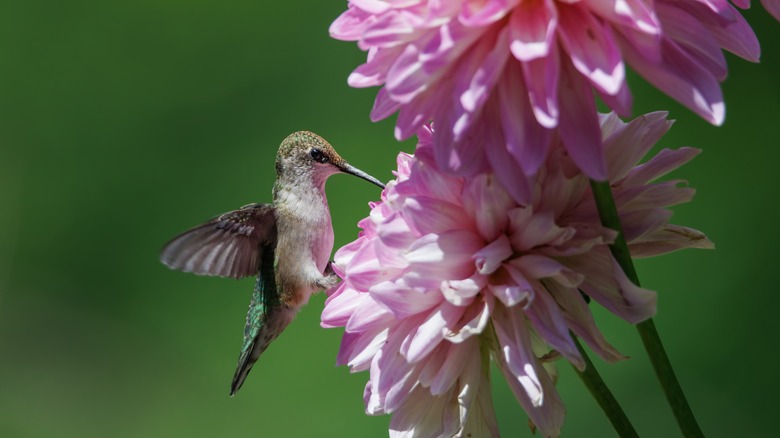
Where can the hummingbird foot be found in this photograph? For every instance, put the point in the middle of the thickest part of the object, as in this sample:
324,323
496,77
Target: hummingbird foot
328,282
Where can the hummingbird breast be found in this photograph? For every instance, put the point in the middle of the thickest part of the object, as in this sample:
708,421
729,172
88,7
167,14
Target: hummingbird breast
304,242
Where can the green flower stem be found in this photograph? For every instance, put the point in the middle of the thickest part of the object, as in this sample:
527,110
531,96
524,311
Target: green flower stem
602,192
603,396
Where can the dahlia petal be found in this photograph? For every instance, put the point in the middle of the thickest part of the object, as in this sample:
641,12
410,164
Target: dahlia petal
539,228
402,300
542,80
490,258
633,14
472,322
480,417
351,24
580,320
373,72
365,269
662,194
670,238
516,183
387,30
421,416
482,71
394,377
688,31
339,306
738,38
426,215
362,349
659,165
427,180
417,112
485,199
548,322
629,142
431,332
620,102
682,78
394,231
384,106
511,287
462,292
456,361
579,125
773,7
538,267
532,28
406,78
477,14
592,48
445,255
526,139
373,7
434,365
534,390
368,315
608,285
642,222
462,154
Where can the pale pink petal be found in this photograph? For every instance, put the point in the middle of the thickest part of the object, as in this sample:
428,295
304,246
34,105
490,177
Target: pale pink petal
526,140
592,48
773,7
351,24
483,13
580,321
431,332
579,125
368,315
402,300
485,199
511,287
538,267
426,214
340,306
445,255
490,258
532,28
548,322
462,292
664,162
670,238
608,285
629,142
473,321
682,78
663,194
689,33
527,379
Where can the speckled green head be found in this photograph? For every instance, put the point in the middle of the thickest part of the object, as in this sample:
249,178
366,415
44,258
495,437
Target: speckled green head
305,155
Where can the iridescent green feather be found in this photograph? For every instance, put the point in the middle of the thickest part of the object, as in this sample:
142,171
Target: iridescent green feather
265,299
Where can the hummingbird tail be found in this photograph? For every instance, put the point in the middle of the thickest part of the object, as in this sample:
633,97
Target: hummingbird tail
274,321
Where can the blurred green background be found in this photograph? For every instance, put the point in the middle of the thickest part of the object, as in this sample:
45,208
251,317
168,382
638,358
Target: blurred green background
123,123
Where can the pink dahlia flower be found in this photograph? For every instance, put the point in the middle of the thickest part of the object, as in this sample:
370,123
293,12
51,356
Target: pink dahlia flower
496,76
449,271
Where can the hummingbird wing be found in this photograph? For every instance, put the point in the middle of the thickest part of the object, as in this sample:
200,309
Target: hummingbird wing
226,246
265,320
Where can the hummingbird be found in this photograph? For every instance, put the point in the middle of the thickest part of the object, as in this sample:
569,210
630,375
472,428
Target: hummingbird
286,244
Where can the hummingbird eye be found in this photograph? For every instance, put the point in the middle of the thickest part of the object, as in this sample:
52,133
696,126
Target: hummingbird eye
318,156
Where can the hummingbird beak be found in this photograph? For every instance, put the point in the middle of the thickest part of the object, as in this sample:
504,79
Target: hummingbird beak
352,170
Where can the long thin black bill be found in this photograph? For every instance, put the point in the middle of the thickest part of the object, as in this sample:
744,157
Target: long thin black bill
348,168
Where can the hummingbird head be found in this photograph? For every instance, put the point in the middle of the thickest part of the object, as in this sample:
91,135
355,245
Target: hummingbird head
305,155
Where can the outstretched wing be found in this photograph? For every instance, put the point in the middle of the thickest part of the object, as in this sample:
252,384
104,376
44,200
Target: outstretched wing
226,246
